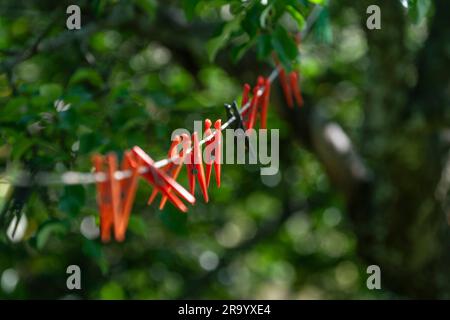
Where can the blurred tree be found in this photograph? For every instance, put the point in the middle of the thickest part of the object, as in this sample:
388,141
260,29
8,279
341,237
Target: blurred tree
375,125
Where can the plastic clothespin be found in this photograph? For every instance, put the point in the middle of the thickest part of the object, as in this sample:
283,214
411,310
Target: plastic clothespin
265,103
195,168
232,111
103,199
254,106
161,181
168,169
296,88
245,93
115,199
128,192
176,171
286,87
114,188
215,155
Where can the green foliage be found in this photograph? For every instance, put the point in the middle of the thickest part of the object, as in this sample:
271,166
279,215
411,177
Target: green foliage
255,22
418,9
136,71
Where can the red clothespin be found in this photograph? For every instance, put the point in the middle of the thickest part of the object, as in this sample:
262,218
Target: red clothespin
161,181
245,93
114,188
296,88
103,200
286,87
215,144
254,107
174,169
128,188
195,168
115,199
245,99
265,103
168,168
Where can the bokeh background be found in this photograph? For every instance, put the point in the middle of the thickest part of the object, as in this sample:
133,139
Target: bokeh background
364,175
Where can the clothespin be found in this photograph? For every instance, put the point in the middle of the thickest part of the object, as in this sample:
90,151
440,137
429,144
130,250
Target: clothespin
161,181
115,199
128,188
285,85
296,88
103,199
265,103
245,93
177,169
254,107
216,143
232,111
114,188
195,168
169,169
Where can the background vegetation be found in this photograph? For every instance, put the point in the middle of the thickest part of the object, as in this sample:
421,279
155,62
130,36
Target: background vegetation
364,174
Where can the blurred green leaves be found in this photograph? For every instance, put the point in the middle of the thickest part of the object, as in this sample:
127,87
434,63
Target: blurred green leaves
418,9
284,46
86,75
261,24
215,44
72,199
47,230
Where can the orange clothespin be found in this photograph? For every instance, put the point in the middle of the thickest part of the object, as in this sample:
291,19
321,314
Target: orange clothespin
265,103
245,93
161,181
177,168
245,99
103,199
114,188
214,155
115,199
168,168
254,105
286,87
128,188
296,88
195,168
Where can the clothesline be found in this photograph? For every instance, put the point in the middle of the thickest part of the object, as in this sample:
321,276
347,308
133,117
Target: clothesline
74,178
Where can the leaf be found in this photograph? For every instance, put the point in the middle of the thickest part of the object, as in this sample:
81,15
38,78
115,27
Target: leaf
418,9
48,228
264,15
87,75
251,21
317,1
72,199
50,91
263,46
189,8
322,29
90,141
174,219
296,15
112,291
138,226
284,46
238,52
215,44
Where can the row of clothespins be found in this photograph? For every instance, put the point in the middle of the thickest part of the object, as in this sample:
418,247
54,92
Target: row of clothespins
115,198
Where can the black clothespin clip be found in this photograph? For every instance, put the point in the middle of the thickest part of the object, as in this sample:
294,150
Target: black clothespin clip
232,111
